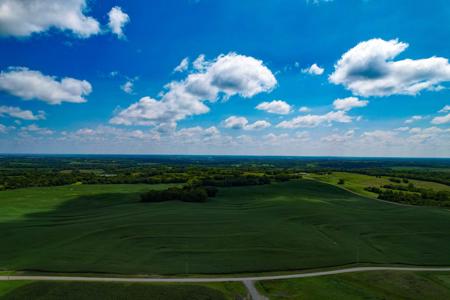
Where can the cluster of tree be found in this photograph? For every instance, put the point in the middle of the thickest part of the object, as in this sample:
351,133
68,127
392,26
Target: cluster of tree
411,195
418,174
185,194
395,180
424,193
285,176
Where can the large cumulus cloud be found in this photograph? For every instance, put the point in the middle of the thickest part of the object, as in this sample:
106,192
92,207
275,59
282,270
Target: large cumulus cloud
225,76
369,69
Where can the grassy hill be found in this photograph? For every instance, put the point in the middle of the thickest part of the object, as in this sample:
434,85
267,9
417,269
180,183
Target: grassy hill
391,285
41,290
358,182
285,226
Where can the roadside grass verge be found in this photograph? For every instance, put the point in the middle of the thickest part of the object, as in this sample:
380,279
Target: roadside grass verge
46,290
393,285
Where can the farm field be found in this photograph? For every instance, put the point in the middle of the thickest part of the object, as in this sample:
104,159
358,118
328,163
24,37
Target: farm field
357,182
42,290
393,285
301,224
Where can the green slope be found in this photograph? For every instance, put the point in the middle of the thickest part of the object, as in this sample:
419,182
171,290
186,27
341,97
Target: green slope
120,291
286,226
368,285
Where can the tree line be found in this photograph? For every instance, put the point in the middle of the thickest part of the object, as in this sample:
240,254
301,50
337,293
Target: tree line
411,195
184,194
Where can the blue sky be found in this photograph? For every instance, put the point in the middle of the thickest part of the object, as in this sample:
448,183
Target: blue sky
378,85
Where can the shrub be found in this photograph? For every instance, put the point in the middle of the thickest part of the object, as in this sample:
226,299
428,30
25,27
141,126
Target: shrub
211,191
396,180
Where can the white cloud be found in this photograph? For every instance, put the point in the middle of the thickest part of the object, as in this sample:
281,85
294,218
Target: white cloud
403,129
314,69
304,109
272,139
302,136
18,113
445,109
235,122
148,111
196,134
3,128
413,119
127,87
383,136
260,124
368,69
227,75
239,74
108,133
28,84
339,138
428,130
200,63
275,107
441,120
36,129
25,17
117,20
182,66
316,120
432,134
348,103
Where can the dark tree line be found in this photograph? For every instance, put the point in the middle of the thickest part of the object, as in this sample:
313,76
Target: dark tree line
185,194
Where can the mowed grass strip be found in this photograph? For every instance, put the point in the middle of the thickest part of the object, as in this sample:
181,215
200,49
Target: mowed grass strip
41,290
295,225
393,285
358,182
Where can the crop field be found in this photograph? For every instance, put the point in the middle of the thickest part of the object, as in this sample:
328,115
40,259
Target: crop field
39,290
392,285
301,224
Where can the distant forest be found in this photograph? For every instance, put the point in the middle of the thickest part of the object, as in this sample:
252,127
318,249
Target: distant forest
34,171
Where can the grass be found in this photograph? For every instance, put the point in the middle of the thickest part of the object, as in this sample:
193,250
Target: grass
357,182
8,286
295,225
368,285
41,290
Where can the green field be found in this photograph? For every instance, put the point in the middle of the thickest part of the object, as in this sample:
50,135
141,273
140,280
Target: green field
285,226
358,182
41,290
358,286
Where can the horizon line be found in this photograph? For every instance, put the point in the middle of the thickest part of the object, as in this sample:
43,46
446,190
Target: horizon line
221,155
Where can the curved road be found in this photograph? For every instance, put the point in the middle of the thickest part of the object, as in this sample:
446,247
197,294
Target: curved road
221,279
